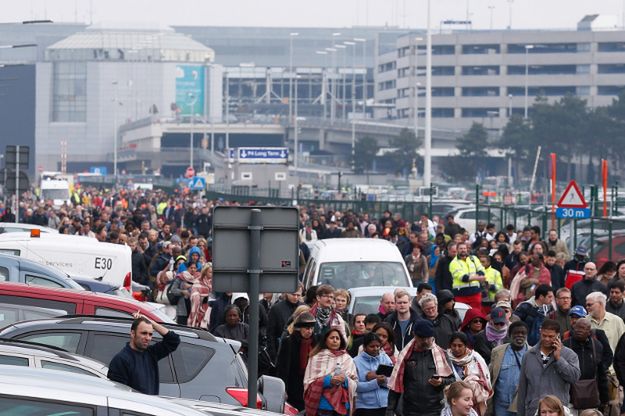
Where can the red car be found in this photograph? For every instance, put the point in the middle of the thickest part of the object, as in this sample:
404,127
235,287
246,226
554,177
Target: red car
74,302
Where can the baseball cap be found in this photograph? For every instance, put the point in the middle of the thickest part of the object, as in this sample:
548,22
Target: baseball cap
498,315
503,304
581,250
423,328
578,310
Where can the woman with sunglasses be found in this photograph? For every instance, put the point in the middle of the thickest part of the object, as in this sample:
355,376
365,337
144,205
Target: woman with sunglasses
470,367
494,334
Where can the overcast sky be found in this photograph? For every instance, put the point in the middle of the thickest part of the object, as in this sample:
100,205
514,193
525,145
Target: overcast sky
316,13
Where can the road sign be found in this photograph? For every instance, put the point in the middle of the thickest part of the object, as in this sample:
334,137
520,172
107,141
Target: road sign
279,249
255,249
262,154
572,197
573,213
197,183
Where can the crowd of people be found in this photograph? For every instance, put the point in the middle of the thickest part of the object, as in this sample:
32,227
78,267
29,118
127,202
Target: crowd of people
543,334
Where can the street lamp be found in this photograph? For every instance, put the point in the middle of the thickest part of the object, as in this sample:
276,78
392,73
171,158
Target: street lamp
427,142
417,85
364,75
291,36
353,90
191,100
527,49
115,104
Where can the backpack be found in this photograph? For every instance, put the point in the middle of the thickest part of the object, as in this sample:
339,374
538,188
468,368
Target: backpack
173,299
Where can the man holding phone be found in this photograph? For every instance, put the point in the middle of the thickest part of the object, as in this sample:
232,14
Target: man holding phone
547,368
421,374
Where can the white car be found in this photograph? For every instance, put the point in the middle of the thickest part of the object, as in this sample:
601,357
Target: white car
367,299
465,217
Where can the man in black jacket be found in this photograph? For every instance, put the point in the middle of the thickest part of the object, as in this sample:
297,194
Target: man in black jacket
137,364
204,222
279,315
403,319
587,285
443,277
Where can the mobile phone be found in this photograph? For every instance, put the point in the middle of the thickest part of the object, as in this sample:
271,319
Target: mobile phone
384,370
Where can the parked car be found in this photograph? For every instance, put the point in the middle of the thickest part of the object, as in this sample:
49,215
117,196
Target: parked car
355,262
367,299
203,367
34,392
74,302
21,270
465,217
29,354
20,227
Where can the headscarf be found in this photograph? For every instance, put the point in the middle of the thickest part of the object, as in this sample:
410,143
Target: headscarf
433,256
476,374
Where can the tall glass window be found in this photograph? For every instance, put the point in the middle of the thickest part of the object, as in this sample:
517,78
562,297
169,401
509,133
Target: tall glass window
69,97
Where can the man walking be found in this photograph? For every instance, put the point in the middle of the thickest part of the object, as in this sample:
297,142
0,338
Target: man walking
547,368
468,275
587,285
137,364
505,369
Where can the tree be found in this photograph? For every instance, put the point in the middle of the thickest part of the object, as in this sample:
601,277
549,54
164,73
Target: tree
517,141
364,153
406,145
472,147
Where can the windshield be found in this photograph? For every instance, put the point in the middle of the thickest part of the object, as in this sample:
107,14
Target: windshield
54,194
365,273
366,305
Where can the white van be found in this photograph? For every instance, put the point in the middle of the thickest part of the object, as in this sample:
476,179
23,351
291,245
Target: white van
355,262
75,255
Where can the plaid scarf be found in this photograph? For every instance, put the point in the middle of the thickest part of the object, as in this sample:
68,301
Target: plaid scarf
321,365
396,381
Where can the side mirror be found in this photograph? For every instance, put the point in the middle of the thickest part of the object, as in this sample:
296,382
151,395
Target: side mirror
273,391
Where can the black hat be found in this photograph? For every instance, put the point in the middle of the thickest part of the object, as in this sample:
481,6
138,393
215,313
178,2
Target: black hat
444,296
305,320
423,328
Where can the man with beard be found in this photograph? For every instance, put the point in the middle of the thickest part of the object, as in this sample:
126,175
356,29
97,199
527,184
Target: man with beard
468,276
420,375
505,370
443,277
137,364
563,307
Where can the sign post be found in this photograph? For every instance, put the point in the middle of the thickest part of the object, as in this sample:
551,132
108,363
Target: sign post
572,204
255,249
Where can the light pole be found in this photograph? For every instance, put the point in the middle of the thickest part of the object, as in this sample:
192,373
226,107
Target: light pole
417,84
332,85
291,36
115,103
353,90
324,80
510,14
295,132
364,75
509,105
491,8
427,145
343,48
527,49
191,99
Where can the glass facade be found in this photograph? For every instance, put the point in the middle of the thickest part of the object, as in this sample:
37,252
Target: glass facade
542,69
480,91
480,49
480,70
544,91
543,48
480,112
69,96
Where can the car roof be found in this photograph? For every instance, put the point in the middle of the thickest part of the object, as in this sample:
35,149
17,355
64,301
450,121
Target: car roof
43,351
378,290
101,322
53,292
33,266
26,226
54,385
356,249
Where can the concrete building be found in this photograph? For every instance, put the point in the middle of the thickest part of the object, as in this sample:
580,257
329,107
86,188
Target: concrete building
94,80
480,76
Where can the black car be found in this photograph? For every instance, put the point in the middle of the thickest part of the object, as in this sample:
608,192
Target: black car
204,367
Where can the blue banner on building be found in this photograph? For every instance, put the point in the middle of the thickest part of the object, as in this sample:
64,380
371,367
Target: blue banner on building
190,89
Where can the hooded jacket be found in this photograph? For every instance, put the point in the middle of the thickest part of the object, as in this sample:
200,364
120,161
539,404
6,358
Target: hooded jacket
370,394
402,339
533,315
468,317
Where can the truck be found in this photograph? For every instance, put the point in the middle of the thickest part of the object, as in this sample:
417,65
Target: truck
55,187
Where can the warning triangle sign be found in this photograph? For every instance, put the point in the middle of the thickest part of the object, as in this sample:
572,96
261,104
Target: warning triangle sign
572,197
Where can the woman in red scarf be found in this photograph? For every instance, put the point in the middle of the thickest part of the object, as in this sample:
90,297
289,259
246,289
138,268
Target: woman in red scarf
293,358
331,378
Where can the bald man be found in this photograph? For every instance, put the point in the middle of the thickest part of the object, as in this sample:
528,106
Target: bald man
587,285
